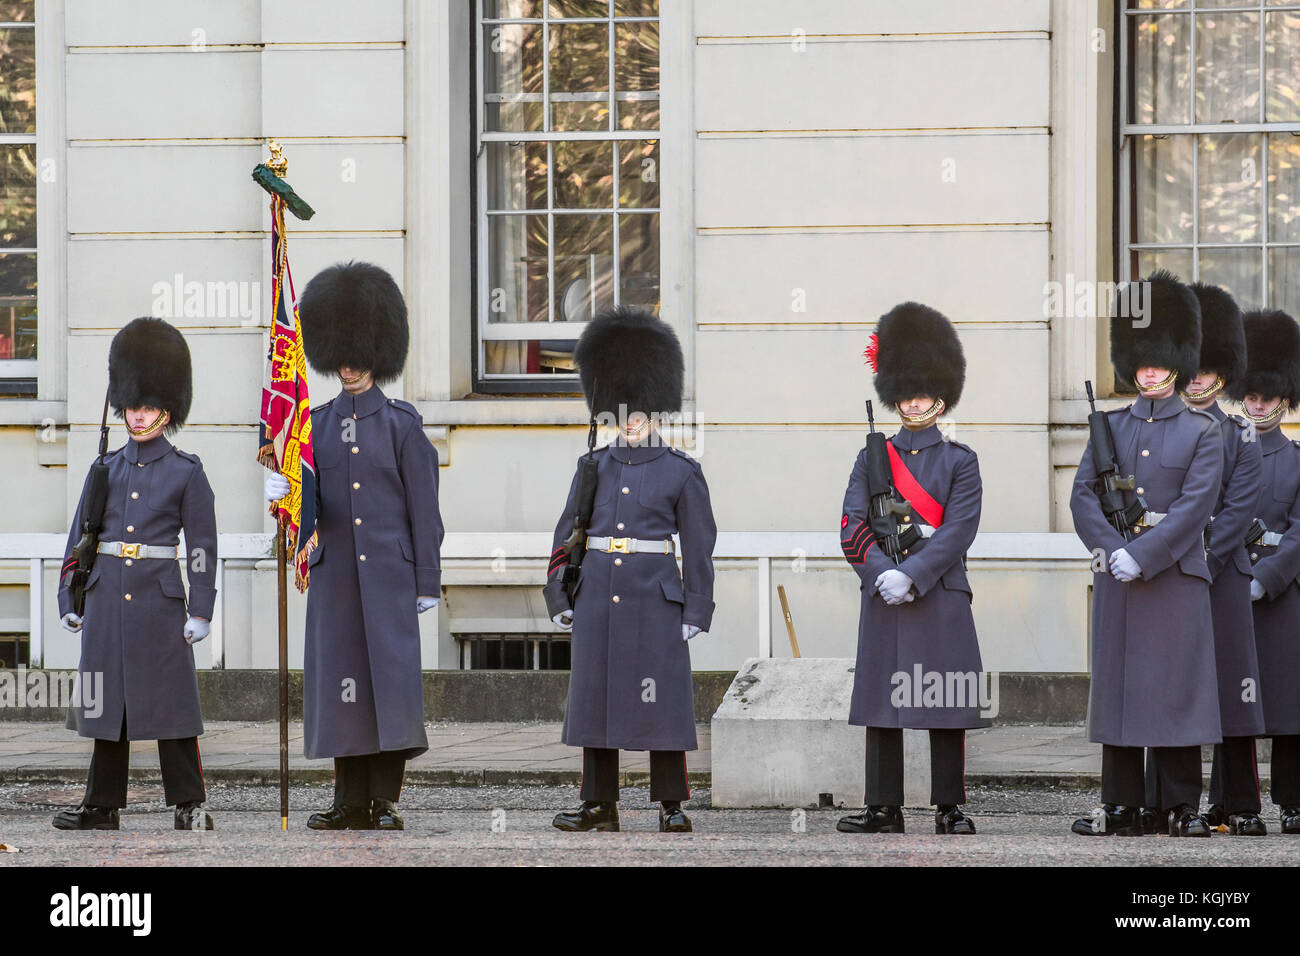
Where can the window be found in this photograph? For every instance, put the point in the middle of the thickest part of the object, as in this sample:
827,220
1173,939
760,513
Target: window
1210,145
567,179
17,197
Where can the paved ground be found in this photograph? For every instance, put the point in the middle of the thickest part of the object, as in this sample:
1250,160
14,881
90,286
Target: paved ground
452,826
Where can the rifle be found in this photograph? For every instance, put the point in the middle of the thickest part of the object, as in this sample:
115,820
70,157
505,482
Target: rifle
575,545
92,520
1122,516
887,507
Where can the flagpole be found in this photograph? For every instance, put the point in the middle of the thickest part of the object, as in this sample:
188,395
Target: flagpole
282,587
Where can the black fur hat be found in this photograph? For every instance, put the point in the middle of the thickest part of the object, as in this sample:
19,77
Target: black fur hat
353,315
1223,340
149,367
1272,357
629,356
1170,337
915,351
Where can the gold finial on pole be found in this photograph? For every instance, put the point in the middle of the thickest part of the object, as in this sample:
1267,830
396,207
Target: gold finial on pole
278,164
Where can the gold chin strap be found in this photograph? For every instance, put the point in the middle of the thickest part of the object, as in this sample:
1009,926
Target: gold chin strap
1271,417
638,431
1159,386
925,417
1209,392
163,418
354,380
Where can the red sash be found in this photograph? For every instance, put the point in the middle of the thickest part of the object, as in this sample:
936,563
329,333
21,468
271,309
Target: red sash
931,511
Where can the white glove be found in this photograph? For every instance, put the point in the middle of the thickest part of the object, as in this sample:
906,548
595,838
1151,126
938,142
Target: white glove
1256,590
689,631
423,604
277,486
564,619
71,622
894,586
196,629
1123,567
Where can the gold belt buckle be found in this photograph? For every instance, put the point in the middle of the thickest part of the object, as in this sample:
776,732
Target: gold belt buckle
130,550
619,544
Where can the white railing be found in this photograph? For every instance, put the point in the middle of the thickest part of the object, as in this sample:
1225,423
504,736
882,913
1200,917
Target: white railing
468,558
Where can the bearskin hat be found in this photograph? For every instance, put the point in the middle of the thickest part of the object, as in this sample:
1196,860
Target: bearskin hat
629,356
1223,340
149,367
1166,335
353,315
1272,357
915,351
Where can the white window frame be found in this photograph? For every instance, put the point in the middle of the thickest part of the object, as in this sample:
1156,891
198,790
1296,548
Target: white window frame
25,368
525,331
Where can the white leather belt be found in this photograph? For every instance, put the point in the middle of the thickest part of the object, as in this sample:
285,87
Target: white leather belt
123,549
629,545
1270,539
1150,519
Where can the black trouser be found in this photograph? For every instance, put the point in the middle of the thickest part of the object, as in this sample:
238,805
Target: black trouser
182,771
885,767
600,775
1285,765
1175,776
359,780
1234,776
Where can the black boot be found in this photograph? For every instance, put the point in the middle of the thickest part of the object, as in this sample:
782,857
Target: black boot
590,816
341,818
1184,821
873,819
671,818
1215,816
1110,819
948,818
192,816
1150,821
88,818
1290,819
384,816
1246,824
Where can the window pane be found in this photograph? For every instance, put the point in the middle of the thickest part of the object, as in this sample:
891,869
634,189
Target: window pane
1282,49
1231,190
1283,188
1161,69
584,266
636,8
579,8
579,69
1284,280
1240,271
512,9
584,175
18,196
17,11
1163,185
529,357
512,64
517,271
18,80
638,173
1227,67
18,306
1177,261
516,175
638,240
1154,4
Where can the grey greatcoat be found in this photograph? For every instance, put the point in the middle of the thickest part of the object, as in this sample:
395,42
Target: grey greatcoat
935,632
133,626
630,684
380,533
1277,614
1234,627
1154,682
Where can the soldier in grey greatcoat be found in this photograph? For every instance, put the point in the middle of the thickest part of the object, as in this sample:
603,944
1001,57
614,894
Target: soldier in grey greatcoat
1234,788
630,686
376,565
1154,681
137,626
916,616
1269,389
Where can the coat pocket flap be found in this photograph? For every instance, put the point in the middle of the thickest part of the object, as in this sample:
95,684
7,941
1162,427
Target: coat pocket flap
673,590
172,587
314,556
408,551
954,579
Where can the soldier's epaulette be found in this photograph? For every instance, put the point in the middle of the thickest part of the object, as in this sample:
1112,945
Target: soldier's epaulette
1238,421
1202,411
188,456
681,454
1296,443
961,445
405,406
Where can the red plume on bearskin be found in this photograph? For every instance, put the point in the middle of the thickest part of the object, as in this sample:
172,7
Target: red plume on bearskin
872,352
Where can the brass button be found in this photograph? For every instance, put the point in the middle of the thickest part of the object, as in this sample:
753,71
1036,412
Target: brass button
1254,556
620,526
1141,491
127,596
130,527
915,450
1150,419
905,550
1146,452
356,485
618,560
907,517
139,464
129,562
135,494
361,557
615,598
625,489
355,449
356,521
